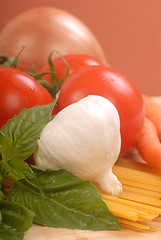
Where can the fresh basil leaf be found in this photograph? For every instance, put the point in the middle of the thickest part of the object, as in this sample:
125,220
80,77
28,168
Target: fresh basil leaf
24,129
1,193
21,170
18,139
10,234
0,149
1,196
6,147
16,220
16,216
68,202
1,190
15,169
0,181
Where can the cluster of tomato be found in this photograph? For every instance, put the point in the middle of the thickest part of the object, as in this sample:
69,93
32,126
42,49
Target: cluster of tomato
87,76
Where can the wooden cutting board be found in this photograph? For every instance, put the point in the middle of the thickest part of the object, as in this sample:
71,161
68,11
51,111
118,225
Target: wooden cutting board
46,233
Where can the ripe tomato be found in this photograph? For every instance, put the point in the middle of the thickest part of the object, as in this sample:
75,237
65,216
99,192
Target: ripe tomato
106,82
74,61
19,90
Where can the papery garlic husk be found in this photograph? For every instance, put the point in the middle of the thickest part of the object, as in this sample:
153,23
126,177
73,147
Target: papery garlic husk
84,138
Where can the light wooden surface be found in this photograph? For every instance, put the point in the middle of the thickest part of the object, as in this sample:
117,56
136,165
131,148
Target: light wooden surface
46,233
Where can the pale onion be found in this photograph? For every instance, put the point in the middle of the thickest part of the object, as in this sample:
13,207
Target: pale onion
42,30
84,138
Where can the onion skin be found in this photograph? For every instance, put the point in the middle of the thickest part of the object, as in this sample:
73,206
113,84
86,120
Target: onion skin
42,30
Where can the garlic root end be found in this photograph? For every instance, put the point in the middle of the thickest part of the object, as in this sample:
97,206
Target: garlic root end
110,184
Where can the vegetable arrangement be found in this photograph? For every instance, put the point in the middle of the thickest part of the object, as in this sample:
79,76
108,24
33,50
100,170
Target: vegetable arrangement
76,121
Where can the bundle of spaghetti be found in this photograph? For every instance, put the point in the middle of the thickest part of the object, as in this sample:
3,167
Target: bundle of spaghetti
139,204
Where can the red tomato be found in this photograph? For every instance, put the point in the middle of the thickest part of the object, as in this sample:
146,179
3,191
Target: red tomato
106,82
19,90
74,61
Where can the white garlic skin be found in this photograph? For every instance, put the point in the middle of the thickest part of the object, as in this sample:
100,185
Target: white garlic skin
84,138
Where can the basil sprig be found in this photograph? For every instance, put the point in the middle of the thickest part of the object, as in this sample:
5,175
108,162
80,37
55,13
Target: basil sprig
50,197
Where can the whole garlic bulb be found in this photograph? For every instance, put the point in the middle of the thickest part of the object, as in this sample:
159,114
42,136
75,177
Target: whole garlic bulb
84,138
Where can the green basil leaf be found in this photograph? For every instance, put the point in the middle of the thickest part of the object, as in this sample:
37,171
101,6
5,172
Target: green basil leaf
25,128
0,148
10,234
16,220
18,139
6,147
21,170
1,193
1,196
67,202
15,169
0,181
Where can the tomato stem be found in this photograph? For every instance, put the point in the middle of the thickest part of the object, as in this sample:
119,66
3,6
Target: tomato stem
55,85
15,60
10,61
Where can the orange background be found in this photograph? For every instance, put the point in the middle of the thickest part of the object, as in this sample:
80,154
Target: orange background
128,30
